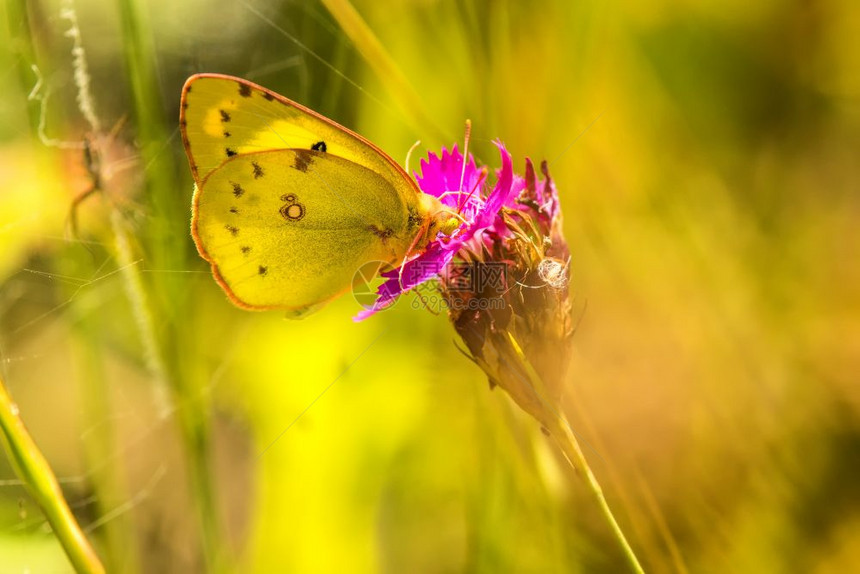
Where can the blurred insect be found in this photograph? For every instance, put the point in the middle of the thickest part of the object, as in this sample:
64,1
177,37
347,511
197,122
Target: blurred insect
105,156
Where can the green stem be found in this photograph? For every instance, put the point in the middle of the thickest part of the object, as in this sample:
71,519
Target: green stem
32,468
21,44
555,422
164,295
119,547
570,447
192,414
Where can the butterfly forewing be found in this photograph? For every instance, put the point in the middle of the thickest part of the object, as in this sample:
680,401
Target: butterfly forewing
223,116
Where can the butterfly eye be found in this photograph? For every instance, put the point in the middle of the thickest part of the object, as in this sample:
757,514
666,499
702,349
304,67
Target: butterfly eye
448,226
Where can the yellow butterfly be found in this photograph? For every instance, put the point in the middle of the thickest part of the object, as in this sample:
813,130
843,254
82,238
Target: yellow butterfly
287,203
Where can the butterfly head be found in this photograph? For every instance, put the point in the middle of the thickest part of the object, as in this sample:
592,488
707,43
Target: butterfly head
438,218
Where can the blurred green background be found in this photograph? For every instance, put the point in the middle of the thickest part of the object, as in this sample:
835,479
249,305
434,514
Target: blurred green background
706,154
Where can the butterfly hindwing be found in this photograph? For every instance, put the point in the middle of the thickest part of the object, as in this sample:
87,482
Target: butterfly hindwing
288,228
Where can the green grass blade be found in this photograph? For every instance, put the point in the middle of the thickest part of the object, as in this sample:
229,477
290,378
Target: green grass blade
32,468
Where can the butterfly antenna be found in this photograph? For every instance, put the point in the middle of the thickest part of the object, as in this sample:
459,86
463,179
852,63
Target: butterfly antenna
466,139
409,155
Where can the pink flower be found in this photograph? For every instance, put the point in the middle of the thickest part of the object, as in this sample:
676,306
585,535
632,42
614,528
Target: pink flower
441,177
503,275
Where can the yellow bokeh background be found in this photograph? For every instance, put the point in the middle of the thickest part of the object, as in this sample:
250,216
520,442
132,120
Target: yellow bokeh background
706,159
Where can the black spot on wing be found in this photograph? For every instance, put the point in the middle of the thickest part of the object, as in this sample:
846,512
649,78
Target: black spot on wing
245,249
268,96
262,270
258,171
304,159
229,152
319,146
244,90
237,189
234,231
381,233
227,134
234,210
225,116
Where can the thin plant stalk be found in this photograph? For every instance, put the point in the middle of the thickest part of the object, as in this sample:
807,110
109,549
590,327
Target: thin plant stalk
532,394
387,70
117,540
165,294
556,424
20,44
32,468
568,444
657,516
119,549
